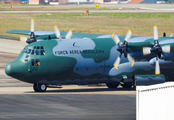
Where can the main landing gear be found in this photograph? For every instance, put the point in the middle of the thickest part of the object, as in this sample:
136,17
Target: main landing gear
116,84
127,85
39,87
112,85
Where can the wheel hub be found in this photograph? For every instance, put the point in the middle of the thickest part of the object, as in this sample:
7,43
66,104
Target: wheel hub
43,87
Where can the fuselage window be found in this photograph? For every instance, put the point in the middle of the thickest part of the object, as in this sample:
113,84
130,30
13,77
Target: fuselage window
37,62
32,62
34,47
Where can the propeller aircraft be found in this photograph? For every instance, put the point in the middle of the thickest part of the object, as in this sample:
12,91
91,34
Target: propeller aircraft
59,58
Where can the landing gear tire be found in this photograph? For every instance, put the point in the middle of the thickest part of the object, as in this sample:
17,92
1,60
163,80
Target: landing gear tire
39,87
112,85
127,85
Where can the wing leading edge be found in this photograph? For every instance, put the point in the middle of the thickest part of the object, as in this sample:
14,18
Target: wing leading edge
63,34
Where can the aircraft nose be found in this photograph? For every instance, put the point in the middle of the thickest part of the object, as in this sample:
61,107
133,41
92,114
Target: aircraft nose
15,69
8,69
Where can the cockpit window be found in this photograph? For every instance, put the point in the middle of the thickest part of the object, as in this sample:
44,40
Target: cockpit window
42,52
38,47
37,50
29,51
27,56
24,50
32,52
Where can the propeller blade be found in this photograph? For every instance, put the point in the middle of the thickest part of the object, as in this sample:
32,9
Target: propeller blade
128,36
166,49
155,31
57,31
68,35
146,50
32,25
117,62
115,38
131,60
23,38
157,67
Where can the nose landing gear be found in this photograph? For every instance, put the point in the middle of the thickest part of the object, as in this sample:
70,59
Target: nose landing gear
39,87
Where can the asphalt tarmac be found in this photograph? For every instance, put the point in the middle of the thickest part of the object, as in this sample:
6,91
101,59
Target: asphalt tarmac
18,101
67,106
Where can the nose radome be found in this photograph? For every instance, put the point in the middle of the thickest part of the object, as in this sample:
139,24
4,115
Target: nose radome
15,69
8,69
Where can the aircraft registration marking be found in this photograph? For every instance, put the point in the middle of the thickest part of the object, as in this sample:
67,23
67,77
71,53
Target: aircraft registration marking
78,52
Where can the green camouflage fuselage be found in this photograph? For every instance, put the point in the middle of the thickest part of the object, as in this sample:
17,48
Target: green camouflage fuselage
72,61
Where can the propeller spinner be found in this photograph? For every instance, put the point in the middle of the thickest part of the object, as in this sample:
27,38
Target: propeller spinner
122,48
32,35
157,49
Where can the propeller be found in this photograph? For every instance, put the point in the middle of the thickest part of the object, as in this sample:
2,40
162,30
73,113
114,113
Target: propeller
122,48
32,35
57,32
157,49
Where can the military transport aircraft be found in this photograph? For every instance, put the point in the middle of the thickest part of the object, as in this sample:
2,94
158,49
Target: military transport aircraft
54,58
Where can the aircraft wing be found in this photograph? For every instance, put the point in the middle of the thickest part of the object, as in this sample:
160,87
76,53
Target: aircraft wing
27,32
63,34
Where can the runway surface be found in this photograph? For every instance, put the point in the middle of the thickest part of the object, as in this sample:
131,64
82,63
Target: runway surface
114,8
19,101
67,106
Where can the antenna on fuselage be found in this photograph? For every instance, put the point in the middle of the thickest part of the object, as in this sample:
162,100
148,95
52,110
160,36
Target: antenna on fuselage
164,34
49,37
74,43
